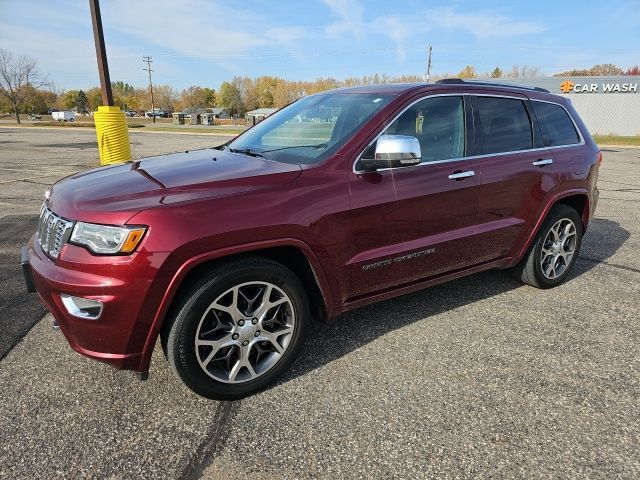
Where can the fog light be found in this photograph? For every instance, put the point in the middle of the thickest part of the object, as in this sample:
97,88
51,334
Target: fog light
82,307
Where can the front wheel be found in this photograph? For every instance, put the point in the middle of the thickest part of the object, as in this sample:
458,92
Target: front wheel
237,329
555,249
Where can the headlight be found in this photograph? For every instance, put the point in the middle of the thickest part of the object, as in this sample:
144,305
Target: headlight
106,239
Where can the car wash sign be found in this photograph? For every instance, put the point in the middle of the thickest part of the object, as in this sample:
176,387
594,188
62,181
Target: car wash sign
598,87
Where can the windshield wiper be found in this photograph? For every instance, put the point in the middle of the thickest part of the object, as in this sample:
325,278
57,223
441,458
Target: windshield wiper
317,145
247,151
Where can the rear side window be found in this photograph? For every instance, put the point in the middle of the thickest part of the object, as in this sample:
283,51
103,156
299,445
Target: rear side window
503,125
556,125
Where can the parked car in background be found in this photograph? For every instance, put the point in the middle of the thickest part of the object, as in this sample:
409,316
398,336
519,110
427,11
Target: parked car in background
156,113
64,116
336,201
130,113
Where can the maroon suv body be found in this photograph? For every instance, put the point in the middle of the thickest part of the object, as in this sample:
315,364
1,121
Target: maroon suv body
494,161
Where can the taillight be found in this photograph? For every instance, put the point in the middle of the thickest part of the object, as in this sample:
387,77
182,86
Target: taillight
599,157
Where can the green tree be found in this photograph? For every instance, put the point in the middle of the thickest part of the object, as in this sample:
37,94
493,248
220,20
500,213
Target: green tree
196,97
497,72
40,101
68,99
265,86
208,97
94,98
122,94
229,97
81,102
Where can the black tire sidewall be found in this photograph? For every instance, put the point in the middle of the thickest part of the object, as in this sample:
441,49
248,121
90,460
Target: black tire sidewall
181,346
557,213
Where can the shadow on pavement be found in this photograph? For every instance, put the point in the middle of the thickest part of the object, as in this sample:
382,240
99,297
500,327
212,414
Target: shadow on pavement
19,310
330,341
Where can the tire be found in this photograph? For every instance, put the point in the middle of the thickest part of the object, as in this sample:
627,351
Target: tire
72,120
235,356
547,263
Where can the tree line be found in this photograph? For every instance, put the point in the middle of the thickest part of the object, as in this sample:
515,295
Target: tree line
24,89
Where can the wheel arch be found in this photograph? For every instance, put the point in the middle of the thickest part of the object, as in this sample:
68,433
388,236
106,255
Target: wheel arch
292,253
580,203
578,199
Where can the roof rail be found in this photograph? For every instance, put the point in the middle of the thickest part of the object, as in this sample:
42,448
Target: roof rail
448,81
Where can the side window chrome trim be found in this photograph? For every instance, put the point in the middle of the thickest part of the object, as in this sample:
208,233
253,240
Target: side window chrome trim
471,157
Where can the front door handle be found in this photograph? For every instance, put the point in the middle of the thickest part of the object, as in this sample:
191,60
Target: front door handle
461,175
541,162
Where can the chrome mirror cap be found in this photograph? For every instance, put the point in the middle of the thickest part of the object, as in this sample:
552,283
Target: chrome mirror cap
394,151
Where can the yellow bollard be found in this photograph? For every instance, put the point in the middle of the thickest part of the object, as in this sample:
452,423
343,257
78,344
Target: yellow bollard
113,135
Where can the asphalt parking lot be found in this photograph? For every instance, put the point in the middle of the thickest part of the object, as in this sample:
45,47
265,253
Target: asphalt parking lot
481,377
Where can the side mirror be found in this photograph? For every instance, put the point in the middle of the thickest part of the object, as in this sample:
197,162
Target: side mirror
394,151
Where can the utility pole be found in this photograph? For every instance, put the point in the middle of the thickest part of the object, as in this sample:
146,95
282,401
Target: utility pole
147,59
429,65
111,125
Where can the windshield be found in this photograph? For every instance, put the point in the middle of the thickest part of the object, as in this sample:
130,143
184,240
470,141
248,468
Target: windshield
311,129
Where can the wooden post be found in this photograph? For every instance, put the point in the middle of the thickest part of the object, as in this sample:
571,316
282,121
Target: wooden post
101,53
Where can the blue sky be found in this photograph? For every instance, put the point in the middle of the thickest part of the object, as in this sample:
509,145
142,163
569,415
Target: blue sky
207,42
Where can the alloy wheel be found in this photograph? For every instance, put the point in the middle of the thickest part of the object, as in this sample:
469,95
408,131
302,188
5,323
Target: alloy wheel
244,332
558,248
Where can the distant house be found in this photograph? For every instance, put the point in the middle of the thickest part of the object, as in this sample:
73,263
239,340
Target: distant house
255,116
217,112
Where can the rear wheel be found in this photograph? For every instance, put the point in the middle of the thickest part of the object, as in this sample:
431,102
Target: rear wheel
238,328
555,249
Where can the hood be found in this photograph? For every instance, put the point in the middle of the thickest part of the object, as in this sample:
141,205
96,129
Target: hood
125,189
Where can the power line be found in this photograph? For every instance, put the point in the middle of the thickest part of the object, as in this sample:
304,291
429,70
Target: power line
147,59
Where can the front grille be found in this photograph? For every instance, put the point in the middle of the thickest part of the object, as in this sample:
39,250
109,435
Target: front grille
53,232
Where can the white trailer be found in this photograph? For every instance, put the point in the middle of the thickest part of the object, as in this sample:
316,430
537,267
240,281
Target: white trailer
64,116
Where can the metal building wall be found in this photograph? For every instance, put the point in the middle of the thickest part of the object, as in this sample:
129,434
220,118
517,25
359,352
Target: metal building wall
608,113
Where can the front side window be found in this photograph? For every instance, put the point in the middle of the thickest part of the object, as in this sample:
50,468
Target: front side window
312,128
437,123
555,124
502,125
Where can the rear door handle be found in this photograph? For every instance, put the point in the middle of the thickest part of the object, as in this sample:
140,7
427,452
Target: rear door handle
461,175
541,162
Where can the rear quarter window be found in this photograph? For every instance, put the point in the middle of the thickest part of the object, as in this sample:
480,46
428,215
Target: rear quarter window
503,125
556,125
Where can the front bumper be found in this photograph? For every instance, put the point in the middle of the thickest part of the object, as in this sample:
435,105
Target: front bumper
121,283
26,270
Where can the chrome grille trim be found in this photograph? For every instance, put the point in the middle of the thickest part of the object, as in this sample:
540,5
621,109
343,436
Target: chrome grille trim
53,232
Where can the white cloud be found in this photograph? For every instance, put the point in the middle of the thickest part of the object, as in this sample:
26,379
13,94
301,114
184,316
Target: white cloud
197,29
398,29
481,25
349,15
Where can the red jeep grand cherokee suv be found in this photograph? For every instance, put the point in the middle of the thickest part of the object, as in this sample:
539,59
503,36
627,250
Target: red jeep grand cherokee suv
338,200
